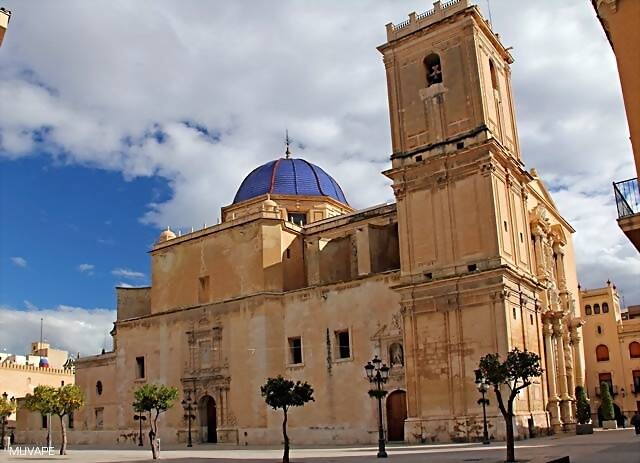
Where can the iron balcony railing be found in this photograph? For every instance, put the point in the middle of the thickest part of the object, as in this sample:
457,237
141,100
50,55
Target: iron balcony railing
627,197
613,390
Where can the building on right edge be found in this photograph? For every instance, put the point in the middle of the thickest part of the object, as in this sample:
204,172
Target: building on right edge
620,19
611,350
5,16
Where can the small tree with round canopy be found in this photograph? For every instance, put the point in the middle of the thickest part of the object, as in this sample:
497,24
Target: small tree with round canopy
283,393
154,399
516,372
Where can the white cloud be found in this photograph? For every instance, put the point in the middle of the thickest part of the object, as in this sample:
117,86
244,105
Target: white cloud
123,284
30,306
73,329
19,261
319,76
86,268
126,273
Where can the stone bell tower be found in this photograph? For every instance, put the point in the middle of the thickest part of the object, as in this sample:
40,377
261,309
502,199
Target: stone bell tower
468,266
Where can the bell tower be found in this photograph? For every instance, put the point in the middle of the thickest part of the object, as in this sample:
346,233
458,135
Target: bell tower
456,168
449,82
468,269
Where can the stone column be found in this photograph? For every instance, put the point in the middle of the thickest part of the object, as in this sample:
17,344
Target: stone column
571,385
562,279
565,400
537,248
553,408
568,358
576,342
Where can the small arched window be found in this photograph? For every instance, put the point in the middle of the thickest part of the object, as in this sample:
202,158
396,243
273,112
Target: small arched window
587,309
602,353
605,307
494,77
596,308
599,329
433,69
634,349
99,387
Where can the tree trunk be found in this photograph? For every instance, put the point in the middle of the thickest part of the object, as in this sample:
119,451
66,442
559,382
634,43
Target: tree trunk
152,440
285,457
63,429
511,451
49,430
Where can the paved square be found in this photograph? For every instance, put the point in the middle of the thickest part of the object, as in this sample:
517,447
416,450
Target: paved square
619,446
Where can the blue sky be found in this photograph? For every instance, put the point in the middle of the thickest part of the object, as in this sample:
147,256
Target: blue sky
112,128
62,219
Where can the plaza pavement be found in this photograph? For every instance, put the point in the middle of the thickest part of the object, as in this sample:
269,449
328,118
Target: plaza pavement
615,446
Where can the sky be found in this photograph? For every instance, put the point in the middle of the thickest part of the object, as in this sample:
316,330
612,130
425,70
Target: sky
121,118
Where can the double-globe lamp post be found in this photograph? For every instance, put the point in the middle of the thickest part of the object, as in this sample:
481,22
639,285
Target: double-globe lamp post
378,373
483,387
139,417
187,404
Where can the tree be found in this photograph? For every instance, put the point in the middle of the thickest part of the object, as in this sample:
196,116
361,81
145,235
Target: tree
67,399
284,393
42,400
608,413
516,372
154,399
583,409
7,407
51,401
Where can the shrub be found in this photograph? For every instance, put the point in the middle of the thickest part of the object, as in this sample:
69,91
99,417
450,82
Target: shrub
608,413
583,409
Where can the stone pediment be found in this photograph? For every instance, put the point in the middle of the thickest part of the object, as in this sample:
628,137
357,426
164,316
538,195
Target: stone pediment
392,330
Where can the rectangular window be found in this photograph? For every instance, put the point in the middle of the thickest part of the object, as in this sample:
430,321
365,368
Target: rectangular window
343,345
203,290
70,420
44,421
140,373
295,351
99,417
605,378
636,381
298,219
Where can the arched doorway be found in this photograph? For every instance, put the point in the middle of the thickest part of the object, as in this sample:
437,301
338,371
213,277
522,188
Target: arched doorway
396,414
618,416
208,419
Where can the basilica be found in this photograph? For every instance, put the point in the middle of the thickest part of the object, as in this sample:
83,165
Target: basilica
472,258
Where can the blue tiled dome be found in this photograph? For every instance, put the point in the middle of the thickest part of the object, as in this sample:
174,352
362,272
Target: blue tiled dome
287,176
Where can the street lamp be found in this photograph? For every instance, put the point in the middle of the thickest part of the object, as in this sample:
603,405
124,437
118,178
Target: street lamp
139,417
483,387
187,404
378,373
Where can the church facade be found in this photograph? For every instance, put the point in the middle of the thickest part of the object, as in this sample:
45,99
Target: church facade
472,258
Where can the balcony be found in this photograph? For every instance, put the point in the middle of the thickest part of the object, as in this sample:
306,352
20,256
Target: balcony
612,389
627,196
